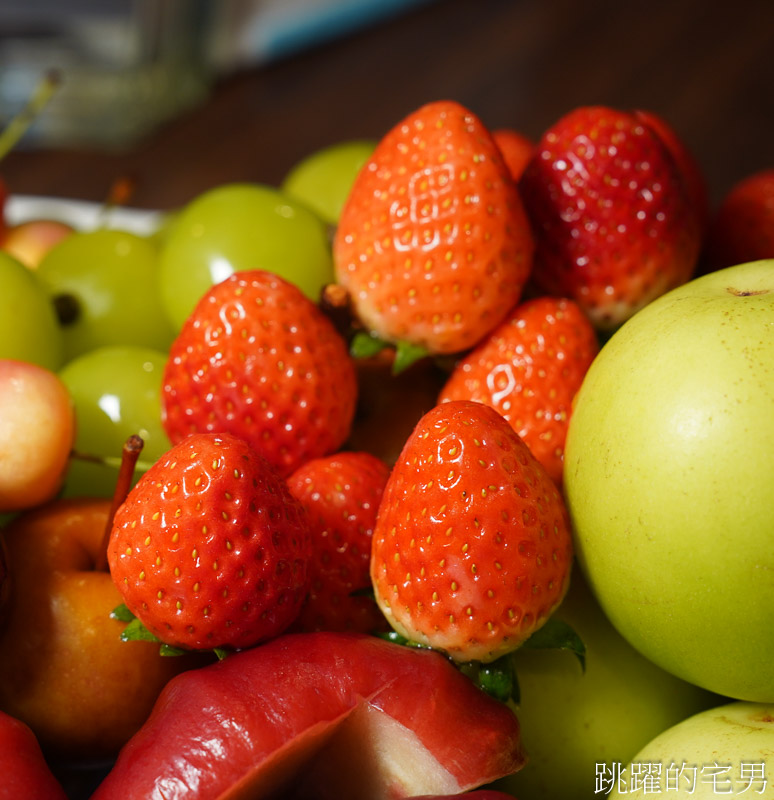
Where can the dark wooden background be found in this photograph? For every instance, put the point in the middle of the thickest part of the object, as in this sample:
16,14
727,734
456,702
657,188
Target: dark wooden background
706,66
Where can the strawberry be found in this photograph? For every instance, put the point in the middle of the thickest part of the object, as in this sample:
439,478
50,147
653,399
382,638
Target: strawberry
615,223
689,167
210,549
743,228
529,369
433,245
341,495
256,358
516,148
472,549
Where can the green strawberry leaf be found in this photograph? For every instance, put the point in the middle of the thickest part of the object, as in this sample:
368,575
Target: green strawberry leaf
497,678
365,345
122,613
407,354
135,631
556,634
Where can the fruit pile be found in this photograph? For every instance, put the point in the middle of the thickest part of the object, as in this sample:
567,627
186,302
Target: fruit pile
394,480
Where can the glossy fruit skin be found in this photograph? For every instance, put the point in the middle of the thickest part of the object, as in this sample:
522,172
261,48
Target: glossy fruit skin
29,329
235,227
743,227
433,244
668,467
571,718
325,683
210,549
258,359
689,167
472,548
64,670
37,431
24,768
341,494
323,179
613,218
113,277
116,391
729,746
529,370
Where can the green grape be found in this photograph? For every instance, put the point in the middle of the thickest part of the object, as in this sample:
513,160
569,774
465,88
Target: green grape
116,391
237,227
29,330
104,285
323,179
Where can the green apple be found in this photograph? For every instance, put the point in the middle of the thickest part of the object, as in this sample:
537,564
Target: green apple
571,719
237,227
323,179
669,471
723,751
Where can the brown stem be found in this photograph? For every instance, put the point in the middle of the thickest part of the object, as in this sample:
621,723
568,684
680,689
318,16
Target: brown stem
131,452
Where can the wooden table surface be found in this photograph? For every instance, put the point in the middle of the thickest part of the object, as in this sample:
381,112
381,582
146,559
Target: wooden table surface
706,66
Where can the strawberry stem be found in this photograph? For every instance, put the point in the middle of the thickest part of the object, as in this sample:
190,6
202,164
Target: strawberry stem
131,452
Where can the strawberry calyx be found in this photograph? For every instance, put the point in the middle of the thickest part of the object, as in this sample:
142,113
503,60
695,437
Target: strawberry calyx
498,678
366,345
135,631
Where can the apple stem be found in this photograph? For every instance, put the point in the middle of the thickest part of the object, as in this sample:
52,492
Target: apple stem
22,122
129,456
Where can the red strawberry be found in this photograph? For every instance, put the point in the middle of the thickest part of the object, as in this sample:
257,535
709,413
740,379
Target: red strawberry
210,549
433,244
472,548
256,358
614,221
529,370
693,176
341,494
517,149
743,228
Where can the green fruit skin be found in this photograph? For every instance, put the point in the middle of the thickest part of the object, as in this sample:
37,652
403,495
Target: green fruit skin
669,469
29,330
238,227
572,719
114,276
738,737
116,391
323,180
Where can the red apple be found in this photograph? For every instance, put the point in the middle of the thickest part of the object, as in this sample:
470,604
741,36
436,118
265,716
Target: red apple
64,670
329,715
25,773
29,241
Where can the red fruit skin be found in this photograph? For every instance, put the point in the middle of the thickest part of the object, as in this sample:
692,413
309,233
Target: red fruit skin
689,167
481,794
25,773
341,495
743,228
614,222
210,549
517,150
278,719
529,369
433,244
472,548
258,359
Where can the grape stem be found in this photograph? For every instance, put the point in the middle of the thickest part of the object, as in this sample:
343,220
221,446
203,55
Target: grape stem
131,452
21,123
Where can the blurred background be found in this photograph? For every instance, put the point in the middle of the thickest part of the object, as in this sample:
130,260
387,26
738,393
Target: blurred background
183,95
